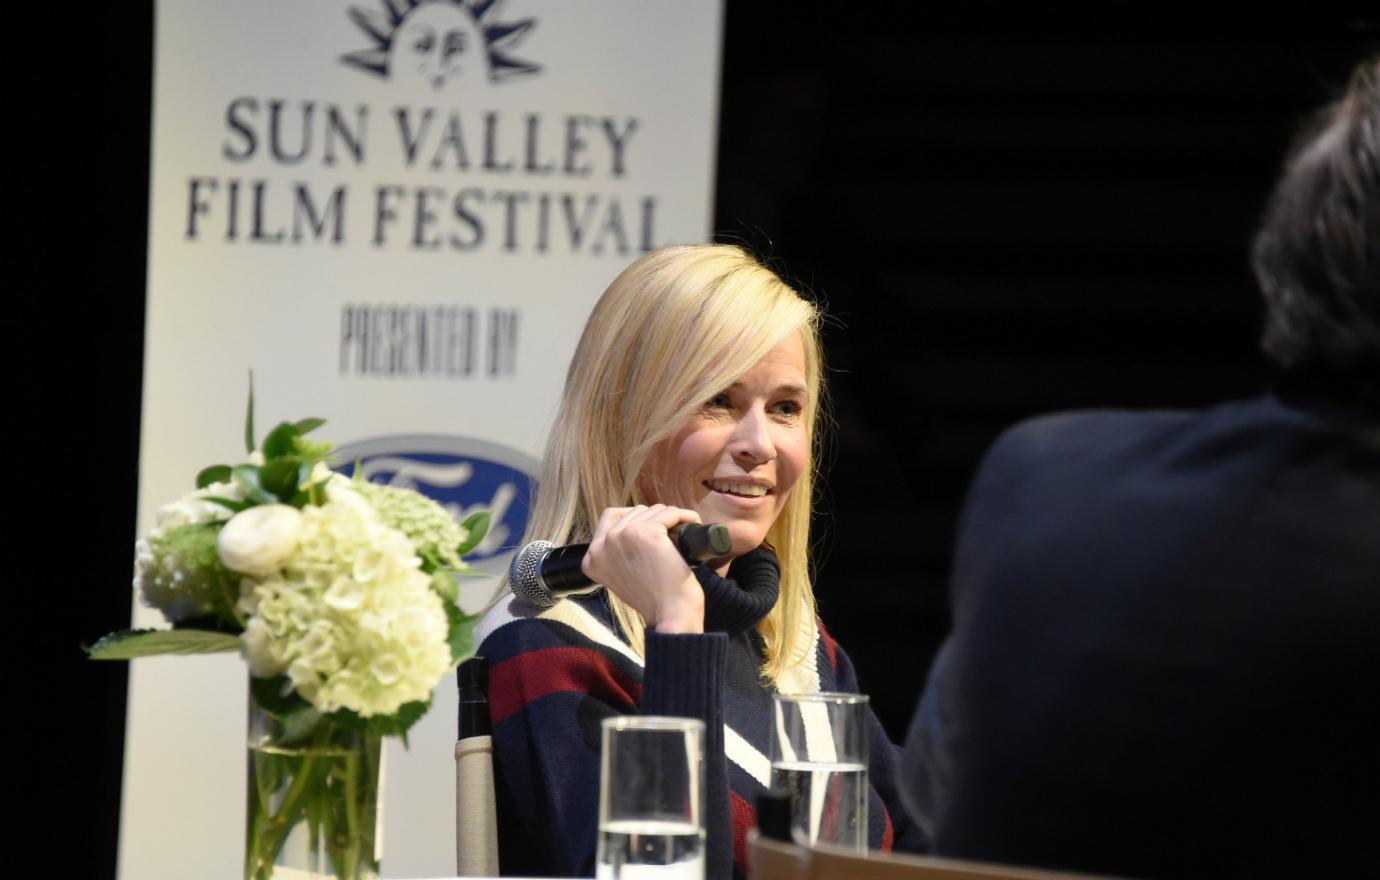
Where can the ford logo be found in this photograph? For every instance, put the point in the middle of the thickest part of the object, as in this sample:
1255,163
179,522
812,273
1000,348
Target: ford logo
461,474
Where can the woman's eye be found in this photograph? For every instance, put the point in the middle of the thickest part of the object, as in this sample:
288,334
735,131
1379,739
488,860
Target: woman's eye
422,45
719,401
789,408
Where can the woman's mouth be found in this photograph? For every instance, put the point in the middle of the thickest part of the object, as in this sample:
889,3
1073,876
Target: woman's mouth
742,490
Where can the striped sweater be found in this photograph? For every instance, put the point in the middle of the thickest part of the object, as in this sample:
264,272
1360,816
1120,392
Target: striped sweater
556,673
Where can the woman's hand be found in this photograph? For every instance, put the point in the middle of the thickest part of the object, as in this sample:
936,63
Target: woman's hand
632,555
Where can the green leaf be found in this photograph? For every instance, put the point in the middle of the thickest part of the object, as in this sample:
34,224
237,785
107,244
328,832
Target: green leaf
431,563
277,699
311,450
249,417
126,644
276,696
396,724
247,475
230,504
476,526
299,724
309,490
460,633
216,473
279,475
306,426
445,585
279,441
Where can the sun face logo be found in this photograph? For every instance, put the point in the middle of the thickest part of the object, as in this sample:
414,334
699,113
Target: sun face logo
440,41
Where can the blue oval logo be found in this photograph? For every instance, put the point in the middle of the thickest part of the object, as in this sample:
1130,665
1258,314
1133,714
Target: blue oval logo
462,474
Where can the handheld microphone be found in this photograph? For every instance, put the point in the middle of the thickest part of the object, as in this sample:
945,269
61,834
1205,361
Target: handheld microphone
541,573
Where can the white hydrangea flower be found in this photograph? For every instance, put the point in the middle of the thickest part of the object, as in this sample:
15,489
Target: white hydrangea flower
176,568
350,618
262,663
193,509
340,489
177,572
432,530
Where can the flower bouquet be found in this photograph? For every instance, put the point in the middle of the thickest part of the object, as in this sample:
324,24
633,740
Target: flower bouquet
341,595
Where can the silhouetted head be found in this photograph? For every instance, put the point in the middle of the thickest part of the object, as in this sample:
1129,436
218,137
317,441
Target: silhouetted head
1317,253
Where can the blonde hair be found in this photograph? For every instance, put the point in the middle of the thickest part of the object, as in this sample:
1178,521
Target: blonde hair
675,328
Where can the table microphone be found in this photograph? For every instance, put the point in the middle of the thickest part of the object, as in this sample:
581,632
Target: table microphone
541,573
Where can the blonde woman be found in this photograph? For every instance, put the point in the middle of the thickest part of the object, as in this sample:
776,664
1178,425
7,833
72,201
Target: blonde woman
693,396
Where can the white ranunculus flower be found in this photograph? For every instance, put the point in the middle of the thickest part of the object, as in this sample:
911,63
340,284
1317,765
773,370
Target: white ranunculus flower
257,541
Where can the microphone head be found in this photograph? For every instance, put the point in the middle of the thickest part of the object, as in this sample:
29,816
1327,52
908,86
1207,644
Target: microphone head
524,575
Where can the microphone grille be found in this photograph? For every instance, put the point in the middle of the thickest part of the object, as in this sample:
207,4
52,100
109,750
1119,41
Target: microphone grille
524,575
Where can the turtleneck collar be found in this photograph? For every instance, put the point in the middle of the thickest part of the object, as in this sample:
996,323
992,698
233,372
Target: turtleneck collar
738,602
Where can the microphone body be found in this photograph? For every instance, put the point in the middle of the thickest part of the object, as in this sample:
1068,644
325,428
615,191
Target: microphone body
542,573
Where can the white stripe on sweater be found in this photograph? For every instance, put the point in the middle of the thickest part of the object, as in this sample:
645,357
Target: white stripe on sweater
746,756
801,678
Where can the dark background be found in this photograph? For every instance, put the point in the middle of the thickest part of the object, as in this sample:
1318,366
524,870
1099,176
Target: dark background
1002,221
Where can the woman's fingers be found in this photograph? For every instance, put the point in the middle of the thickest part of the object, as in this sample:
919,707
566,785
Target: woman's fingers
612,521
662,514
611,517
608,521
632,556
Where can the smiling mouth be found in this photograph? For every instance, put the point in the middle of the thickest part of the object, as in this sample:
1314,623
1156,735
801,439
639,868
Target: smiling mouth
742,490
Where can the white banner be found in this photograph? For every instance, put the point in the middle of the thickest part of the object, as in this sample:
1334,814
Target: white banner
398,214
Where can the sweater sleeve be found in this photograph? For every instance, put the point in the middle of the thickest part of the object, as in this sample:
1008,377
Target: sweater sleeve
550,687
893,828
685,677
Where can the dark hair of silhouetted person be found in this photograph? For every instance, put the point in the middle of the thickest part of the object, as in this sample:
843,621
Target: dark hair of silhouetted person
1317,253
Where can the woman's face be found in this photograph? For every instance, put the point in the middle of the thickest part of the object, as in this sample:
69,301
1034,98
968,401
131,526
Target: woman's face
737,459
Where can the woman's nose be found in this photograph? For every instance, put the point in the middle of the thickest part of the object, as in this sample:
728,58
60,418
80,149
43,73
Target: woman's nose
752,440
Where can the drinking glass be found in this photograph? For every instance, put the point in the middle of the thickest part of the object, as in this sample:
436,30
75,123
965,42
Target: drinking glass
819,755
651,799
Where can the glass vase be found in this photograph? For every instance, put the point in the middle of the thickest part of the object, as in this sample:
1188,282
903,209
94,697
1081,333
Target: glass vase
313,801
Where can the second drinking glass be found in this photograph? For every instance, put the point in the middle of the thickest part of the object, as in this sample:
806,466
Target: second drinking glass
819,755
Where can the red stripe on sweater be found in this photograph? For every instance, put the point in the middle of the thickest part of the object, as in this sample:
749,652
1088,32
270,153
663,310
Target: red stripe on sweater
744,820
831,647
889,833
519,680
